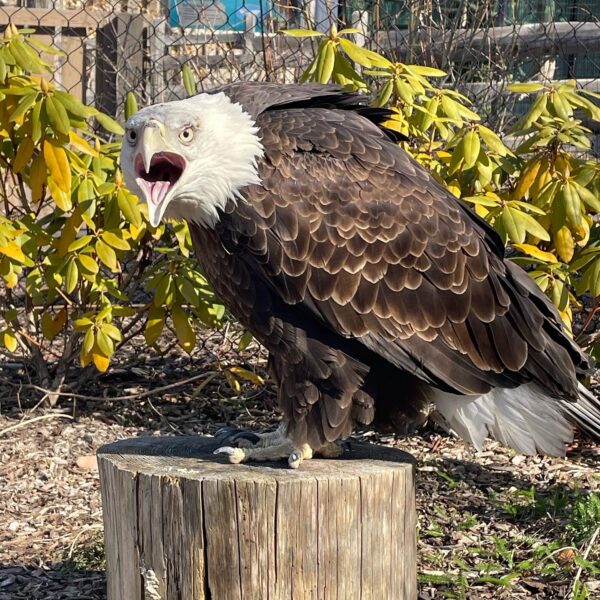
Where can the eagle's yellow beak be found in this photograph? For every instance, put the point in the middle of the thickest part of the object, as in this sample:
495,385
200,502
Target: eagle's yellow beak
157,169
151,142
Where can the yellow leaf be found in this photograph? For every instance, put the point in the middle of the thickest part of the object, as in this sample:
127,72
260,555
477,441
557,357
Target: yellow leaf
526,180
11,279
60,197
564,243
37,178
248,375
12,250
58,165
81,144
536,252
183,329
154,325
232,381
24,154
69,232
10,341
100,361
567,316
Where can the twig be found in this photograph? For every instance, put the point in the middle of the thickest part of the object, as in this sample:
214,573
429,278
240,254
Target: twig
588,549
594,310
157,390
29,421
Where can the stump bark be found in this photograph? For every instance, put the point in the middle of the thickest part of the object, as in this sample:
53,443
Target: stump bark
181,523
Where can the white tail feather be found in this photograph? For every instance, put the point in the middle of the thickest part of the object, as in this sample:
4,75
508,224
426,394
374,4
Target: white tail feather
524,418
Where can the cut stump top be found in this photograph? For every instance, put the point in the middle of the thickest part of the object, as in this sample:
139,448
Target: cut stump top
191,457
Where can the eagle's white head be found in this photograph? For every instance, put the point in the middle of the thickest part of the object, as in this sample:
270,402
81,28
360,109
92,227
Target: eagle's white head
187,158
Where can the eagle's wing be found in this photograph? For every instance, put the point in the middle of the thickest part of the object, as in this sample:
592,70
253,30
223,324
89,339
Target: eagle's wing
347,225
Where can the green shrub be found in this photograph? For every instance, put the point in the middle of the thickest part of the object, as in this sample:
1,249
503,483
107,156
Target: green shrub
537,188
83,271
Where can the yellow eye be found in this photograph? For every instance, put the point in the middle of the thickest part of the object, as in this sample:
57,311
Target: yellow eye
131,136
186,135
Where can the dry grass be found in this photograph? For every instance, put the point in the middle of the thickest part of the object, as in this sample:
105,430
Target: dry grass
492,525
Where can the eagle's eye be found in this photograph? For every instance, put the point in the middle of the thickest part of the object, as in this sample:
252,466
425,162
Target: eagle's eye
186,135
131,136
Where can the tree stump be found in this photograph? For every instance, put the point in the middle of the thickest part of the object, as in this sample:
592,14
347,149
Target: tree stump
181,523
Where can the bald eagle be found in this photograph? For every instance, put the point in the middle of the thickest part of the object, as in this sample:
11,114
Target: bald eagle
376,292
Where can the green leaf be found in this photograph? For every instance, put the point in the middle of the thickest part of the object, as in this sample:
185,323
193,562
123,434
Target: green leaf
88,341
131,106
472,145
537,109
587,196
533,227
325,62
24,154
301,33
105,344
189,82
114,240
187,290
571,202
363,56
73,105
385,93
109,124
111,331
71,276
154,325
425,71
525,88
37,121
107,255
513,224
450,107
245,340
25,57
79,243
57,115
88,263
24,105
128,203
493,142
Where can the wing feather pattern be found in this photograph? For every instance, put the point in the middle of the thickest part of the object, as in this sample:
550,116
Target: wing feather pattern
387,255
363,243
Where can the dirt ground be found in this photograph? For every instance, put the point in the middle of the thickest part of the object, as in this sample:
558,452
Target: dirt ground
492,525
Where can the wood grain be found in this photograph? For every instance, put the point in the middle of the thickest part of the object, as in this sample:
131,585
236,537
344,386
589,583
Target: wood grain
182,524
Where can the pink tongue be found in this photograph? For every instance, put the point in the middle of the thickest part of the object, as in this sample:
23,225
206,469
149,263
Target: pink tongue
155,190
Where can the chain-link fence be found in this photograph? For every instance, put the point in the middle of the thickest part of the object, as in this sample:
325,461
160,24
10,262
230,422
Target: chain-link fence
112,46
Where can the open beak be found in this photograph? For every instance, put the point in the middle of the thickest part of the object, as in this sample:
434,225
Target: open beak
157,170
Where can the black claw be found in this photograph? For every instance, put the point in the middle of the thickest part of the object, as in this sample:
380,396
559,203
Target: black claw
248,435
226,431
231,434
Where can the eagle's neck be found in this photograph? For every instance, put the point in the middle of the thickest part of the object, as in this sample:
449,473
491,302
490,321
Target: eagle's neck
224,164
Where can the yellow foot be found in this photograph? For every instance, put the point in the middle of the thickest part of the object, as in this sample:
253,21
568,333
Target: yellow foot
281,450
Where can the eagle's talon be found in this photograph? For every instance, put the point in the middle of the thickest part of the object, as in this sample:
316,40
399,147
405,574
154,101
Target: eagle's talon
226,432
240,437
294,460
235,455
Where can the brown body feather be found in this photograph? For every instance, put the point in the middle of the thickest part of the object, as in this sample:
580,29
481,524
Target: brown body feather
366,280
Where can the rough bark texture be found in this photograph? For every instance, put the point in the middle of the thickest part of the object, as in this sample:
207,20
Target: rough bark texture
181,524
